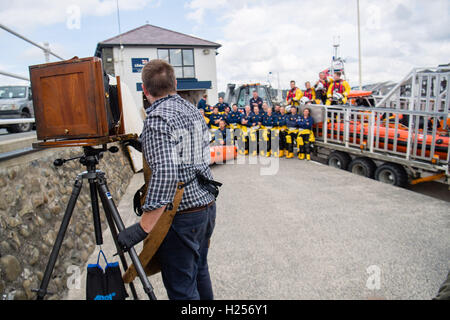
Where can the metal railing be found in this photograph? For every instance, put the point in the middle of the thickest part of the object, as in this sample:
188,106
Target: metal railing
417,138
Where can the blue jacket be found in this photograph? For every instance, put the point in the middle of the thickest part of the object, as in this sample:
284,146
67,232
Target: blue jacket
255,118
258,101
246,117
269,121
305,123
213,118
291,120
281,119
234,117
221,106
202,104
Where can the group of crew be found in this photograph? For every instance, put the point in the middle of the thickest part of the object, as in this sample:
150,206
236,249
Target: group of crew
274,132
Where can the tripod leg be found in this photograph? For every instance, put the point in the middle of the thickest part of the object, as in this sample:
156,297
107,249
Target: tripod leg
42,291
95,212
112,228
105,195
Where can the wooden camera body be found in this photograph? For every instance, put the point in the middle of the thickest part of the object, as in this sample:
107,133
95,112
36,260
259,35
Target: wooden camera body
74,104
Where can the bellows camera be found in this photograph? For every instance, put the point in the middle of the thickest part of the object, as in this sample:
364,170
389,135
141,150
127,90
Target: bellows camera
74,103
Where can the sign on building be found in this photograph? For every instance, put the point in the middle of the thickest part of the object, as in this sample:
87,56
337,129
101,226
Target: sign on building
138,63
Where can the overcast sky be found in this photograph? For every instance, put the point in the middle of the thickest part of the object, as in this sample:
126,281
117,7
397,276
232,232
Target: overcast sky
292,39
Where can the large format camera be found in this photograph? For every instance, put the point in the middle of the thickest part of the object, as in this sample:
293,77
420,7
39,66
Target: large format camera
74,103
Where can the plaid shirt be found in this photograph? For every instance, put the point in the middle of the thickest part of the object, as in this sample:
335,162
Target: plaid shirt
175,144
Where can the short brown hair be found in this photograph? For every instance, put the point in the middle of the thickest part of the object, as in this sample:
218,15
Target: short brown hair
158,78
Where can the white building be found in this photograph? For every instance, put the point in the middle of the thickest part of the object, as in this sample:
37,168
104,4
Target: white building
193,59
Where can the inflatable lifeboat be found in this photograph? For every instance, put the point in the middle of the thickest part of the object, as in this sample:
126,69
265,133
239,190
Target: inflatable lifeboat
386,135
220,154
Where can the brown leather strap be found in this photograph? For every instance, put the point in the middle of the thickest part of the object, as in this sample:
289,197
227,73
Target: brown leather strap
196,209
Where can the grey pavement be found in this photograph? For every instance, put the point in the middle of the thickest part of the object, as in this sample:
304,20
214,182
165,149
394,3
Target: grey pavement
315,232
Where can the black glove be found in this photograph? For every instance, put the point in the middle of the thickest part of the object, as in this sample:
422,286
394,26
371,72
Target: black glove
131,236
133,143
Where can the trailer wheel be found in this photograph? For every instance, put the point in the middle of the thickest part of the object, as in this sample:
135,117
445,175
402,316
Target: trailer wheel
392,174
363,167
338,159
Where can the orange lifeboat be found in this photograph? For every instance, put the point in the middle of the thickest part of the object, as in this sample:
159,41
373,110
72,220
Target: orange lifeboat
220,154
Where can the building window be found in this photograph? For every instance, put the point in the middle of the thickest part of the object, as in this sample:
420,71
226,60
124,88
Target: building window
182,60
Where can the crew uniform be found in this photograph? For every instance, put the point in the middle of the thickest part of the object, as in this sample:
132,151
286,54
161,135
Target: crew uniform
281,132
305,137
221,106
234,123
202,104
255,120
212,121
321,90
310,94
258,101
268,132
291,134
342,87
295,94
242,138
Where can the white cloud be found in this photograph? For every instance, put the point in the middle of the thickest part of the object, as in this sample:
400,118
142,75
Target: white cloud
294,38
25,14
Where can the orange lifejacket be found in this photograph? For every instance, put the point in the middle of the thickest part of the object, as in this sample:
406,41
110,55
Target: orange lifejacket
338,87
309,94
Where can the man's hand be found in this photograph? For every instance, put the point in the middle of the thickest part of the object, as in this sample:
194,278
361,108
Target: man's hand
135,143
131,236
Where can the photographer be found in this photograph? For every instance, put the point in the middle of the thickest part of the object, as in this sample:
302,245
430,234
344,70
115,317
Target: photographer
171,122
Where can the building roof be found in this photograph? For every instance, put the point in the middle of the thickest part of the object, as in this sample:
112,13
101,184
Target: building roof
149,35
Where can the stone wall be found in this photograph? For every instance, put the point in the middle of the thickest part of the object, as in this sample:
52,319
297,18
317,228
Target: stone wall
33,198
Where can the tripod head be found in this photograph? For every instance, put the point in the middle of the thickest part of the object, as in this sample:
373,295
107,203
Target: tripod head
90,157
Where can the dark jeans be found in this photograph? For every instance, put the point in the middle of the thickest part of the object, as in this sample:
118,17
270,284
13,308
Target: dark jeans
183,256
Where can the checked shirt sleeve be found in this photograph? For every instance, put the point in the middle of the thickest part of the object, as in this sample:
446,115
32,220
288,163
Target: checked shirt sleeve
159,148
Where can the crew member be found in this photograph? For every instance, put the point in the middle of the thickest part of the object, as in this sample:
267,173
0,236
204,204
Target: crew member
267,133
202,103
256,101
184,267
234,121
221,105
338,91
255,123
309,92
265,107
243,143
291,132
321,88
294,95
215,118
281,128
202,112
222,135
305,134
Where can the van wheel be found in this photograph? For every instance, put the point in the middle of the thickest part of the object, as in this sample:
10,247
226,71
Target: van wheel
363,167
22,127
338,159
392,174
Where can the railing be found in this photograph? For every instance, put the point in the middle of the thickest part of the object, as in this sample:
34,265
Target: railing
413,136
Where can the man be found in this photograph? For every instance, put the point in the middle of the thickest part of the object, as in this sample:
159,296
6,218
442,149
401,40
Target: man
256,101
309,93
281,127
220,136
202,103
291,132
202,112
265,107
321,88
305,135
234,117
182,254
294,95
221,105
255,123
266,133
243,143
215,118
338,91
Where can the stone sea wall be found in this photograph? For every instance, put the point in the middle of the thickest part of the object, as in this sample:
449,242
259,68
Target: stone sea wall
33,197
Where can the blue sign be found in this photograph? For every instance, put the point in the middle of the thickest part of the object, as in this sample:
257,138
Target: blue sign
138,63
138,86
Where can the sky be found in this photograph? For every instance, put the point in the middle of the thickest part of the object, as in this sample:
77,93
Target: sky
268,40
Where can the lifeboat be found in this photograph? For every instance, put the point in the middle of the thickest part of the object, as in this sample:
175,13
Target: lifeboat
220,154
387,135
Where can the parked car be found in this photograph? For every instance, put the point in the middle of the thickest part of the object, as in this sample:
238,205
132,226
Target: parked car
15,103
